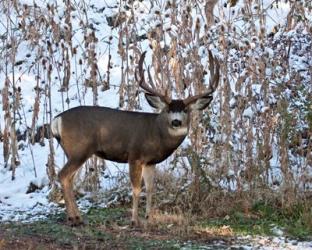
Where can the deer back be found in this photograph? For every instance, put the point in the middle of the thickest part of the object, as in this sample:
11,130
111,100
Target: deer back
116,135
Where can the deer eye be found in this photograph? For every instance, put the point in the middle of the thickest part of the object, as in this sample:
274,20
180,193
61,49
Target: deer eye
185,110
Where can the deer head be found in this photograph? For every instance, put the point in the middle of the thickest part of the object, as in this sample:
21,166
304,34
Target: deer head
177,112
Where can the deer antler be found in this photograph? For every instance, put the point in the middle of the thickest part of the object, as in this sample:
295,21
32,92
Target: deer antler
214,68
142,83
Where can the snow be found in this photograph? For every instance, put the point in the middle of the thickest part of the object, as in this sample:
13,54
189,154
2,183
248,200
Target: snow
248,113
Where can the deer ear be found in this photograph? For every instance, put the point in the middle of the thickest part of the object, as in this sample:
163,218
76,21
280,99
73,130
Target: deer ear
201,103
155,101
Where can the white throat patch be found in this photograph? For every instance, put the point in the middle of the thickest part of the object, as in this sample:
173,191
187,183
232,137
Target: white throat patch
178,131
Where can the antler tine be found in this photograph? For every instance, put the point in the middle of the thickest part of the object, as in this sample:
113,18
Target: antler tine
214,68
150,78
150,89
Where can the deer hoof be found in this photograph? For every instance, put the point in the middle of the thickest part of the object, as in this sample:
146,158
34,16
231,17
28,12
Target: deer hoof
75,221
149,216
149,219
135,223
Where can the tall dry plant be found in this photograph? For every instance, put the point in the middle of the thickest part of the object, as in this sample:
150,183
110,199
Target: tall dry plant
11,92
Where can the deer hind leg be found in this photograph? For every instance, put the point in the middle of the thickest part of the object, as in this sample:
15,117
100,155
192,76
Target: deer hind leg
136,181
66,177
148,176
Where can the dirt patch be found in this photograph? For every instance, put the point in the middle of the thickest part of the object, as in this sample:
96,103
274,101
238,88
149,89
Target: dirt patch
18,243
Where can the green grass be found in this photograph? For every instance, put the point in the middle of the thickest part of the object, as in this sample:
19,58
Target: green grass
109,228
106,216
295,222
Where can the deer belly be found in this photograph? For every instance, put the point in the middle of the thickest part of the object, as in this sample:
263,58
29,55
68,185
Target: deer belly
159,156
121,157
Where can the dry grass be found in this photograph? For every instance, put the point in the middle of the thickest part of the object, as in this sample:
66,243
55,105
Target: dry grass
168,219
208,232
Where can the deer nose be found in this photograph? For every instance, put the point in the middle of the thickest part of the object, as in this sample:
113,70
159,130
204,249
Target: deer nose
176,123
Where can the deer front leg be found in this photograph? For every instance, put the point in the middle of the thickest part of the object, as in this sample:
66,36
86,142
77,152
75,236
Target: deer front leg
66,177
136,181
148,176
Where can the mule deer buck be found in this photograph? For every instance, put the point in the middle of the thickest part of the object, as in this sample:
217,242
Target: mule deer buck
139,139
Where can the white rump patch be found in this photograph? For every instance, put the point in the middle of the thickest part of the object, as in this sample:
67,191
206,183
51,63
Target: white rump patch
178,131
56,126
